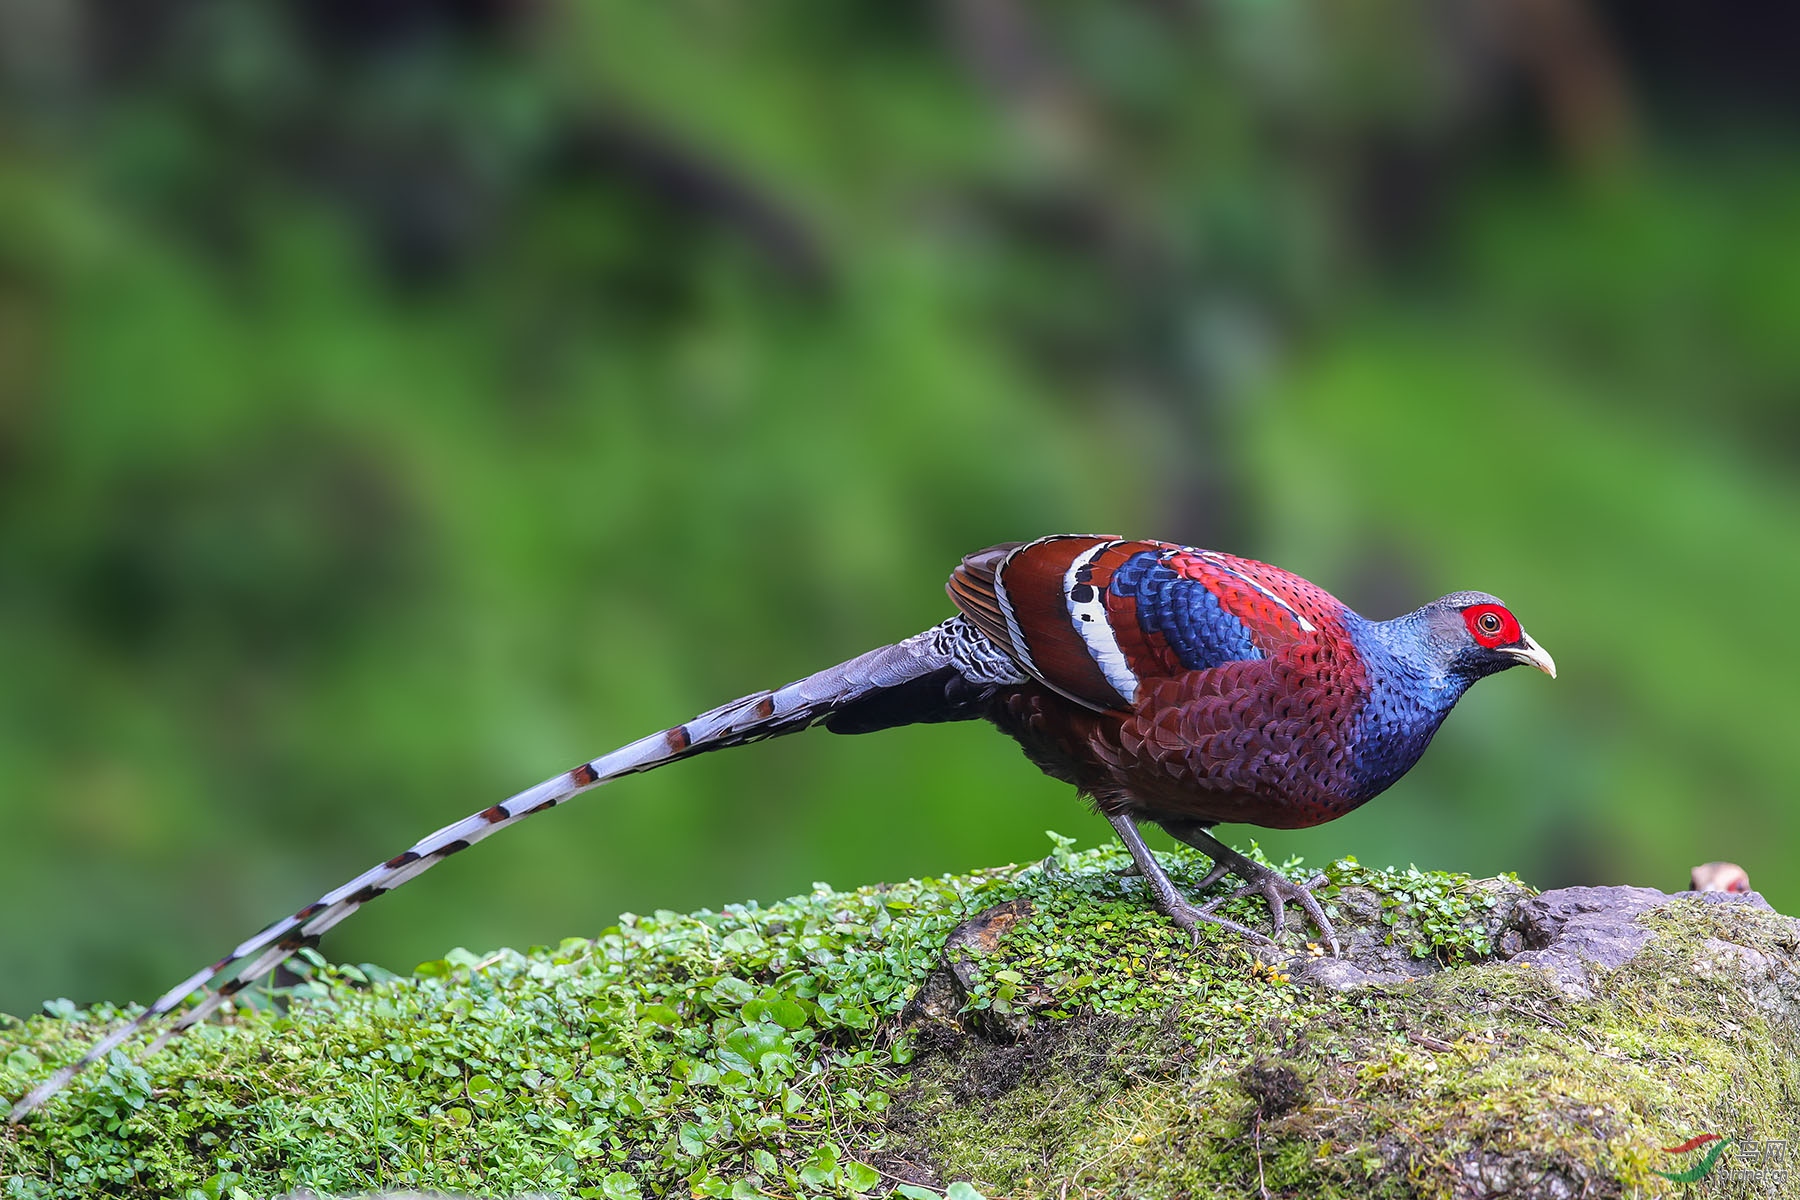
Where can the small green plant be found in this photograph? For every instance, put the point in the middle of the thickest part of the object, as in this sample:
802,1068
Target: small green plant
1435,914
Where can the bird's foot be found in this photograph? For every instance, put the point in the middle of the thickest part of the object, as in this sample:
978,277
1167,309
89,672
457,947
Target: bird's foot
1189,918
1260,880
1278,889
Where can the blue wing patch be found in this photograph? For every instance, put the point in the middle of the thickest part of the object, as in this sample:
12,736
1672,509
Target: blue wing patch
1183,612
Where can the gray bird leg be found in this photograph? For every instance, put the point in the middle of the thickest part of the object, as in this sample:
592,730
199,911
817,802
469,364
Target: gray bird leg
1184,831
1259,880
1168,897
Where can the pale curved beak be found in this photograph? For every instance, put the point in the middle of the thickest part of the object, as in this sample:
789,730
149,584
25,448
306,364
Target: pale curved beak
1529,651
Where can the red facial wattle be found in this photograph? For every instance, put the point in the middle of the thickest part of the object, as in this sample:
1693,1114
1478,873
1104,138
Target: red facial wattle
1491,625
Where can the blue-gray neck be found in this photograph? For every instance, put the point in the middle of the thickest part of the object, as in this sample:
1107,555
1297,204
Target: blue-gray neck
1412,688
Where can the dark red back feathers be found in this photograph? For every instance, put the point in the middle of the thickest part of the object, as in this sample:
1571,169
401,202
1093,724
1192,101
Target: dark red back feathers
1211,687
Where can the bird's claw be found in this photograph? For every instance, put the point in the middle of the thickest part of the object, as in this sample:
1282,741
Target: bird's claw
1189,918
1278,889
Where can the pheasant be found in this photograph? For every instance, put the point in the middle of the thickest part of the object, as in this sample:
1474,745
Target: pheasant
1170,685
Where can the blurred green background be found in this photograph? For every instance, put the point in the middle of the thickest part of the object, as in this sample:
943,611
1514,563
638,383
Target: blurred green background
402,401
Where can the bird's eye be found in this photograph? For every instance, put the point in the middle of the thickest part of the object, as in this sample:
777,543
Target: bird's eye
1489,623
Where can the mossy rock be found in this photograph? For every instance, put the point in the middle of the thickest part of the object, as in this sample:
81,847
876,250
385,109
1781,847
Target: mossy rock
1032,1031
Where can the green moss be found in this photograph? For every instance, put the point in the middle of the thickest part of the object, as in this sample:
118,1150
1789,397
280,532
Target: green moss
773,1049
672,1050
1434,914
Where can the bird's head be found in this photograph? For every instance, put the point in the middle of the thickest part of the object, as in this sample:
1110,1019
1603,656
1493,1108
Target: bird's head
1473,635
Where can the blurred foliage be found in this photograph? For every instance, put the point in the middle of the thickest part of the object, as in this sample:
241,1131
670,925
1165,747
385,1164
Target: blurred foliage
401,402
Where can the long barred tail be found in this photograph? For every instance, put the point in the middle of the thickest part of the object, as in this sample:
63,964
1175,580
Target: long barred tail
942,674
